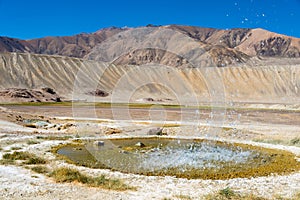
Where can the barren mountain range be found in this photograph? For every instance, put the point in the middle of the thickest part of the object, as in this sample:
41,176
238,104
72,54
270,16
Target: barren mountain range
180,64
225,43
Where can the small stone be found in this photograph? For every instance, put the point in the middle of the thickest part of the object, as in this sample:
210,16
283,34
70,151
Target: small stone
99,143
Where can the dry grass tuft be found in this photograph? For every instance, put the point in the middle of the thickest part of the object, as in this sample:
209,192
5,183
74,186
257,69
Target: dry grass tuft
64,174
40,169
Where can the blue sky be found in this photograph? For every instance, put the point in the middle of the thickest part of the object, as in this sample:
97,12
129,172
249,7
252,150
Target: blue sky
28,19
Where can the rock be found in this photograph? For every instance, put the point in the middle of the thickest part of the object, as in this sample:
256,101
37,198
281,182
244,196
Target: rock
66,126
140,144
99,143
155,131
48,90
112,131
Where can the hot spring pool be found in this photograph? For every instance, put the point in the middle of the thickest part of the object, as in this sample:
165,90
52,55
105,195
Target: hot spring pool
183,158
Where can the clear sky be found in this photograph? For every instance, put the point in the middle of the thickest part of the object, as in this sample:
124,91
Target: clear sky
28,19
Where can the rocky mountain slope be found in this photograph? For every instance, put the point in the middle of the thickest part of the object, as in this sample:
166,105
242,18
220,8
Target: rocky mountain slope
165,46
253,42
226,44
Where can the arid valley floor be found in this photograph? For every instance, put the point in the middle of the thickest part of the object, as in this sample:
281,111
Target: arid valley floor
269,126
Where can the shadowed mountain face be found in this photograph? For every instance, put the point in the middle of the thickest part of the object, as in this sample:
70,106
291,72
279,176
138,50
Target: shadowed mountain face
72,46
14,45
226,47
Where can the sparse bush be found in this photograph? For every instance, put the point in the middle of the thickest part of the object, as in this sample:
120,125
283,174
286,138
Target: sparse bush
29,158
6,162
112,184
183,197
40,169
35,160
295,141
17,155
227,192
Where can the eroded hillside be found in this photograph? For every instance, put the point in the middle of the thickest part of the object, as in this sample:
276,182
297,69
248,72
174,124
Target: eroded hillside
78,79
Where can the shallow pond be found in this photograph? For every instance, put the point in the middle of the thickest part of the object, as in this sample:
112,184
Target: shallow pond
181,158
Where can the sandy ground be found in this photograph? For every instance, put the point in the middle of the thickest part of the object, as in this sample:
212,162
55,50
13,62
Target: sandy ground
17,182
